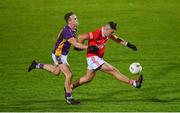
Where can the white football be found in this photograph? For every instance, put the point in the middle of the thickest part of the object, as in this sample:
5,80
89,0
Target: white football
135,68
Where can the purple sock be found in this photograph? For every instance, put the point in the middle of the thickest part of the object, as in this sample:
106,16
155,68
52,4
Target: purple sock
69,95
40,66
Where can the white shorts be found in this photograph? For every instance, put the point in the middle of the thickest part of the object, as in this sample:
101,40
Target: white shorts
94,62
59,59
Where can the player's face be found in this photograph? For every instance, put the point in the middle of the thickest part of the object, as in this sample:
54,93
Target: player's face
74,20
108,31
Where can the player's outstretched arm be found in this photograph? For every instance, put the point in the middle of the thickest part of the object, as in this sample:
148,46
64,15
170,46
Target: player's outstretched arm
81,40
123,42
91,49
76,44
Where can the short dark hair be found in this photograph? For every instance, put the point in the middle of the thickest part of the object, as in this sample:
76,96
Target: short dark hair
67,16
112,25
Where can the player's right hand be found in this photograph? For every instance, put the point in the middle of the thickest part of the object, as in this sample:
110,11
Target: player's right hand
93,49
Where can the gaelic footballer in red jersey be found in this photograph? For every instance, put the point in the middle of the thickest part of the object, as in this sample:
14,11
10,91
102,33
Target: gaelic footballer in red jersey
95,61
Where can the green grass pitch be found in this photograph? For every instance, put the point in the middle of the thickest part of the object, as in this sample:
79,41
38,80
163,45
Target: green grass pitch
28,30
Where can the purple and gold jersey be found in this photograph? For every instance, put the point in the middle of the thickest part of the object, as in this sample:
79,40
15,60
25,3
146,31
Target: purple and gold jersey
62,45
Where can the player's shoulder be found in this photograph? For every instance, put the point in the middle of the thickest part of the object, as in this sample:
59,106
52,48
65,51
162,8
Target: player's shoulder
97,31
66,28
95,34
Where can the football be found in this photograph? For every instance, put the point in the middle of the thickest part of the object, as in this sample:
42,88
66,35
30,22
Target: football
135,68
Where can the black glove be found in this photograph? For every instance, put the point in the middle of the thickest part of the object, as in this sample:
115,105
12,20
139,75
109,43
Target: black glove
77,49
131,46
93,49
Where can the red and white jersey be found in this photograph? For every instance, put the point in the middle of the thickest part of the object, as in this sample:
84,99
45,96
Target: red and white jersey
97,38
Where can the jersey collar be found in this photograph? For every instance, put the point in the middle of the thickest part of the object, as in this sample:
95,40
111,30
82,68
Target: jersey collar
102,32
74,30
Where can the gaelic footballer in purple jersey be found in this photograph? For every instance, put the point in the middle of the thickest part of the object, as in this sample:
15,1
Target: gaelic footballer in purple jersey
62,45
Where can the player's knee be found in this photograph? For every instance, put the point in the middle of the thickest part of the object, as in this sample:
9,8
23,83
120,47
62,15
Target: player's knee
56,71
113,70
88,79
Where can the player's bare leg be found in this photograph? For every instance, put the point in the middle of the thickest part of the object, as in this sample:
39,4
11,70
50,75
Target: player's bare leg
115,72
107,68
68,91
55,69
85,79
68,74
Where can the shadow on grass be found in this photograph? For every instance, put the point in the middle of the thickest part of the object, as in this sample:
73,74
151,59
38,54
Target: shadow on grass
112,97
37,105
94,101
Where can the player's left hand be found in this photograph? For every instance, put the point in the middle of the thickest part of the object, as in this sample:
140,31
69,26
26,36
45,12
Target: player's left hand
93,49
78,49
131,46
